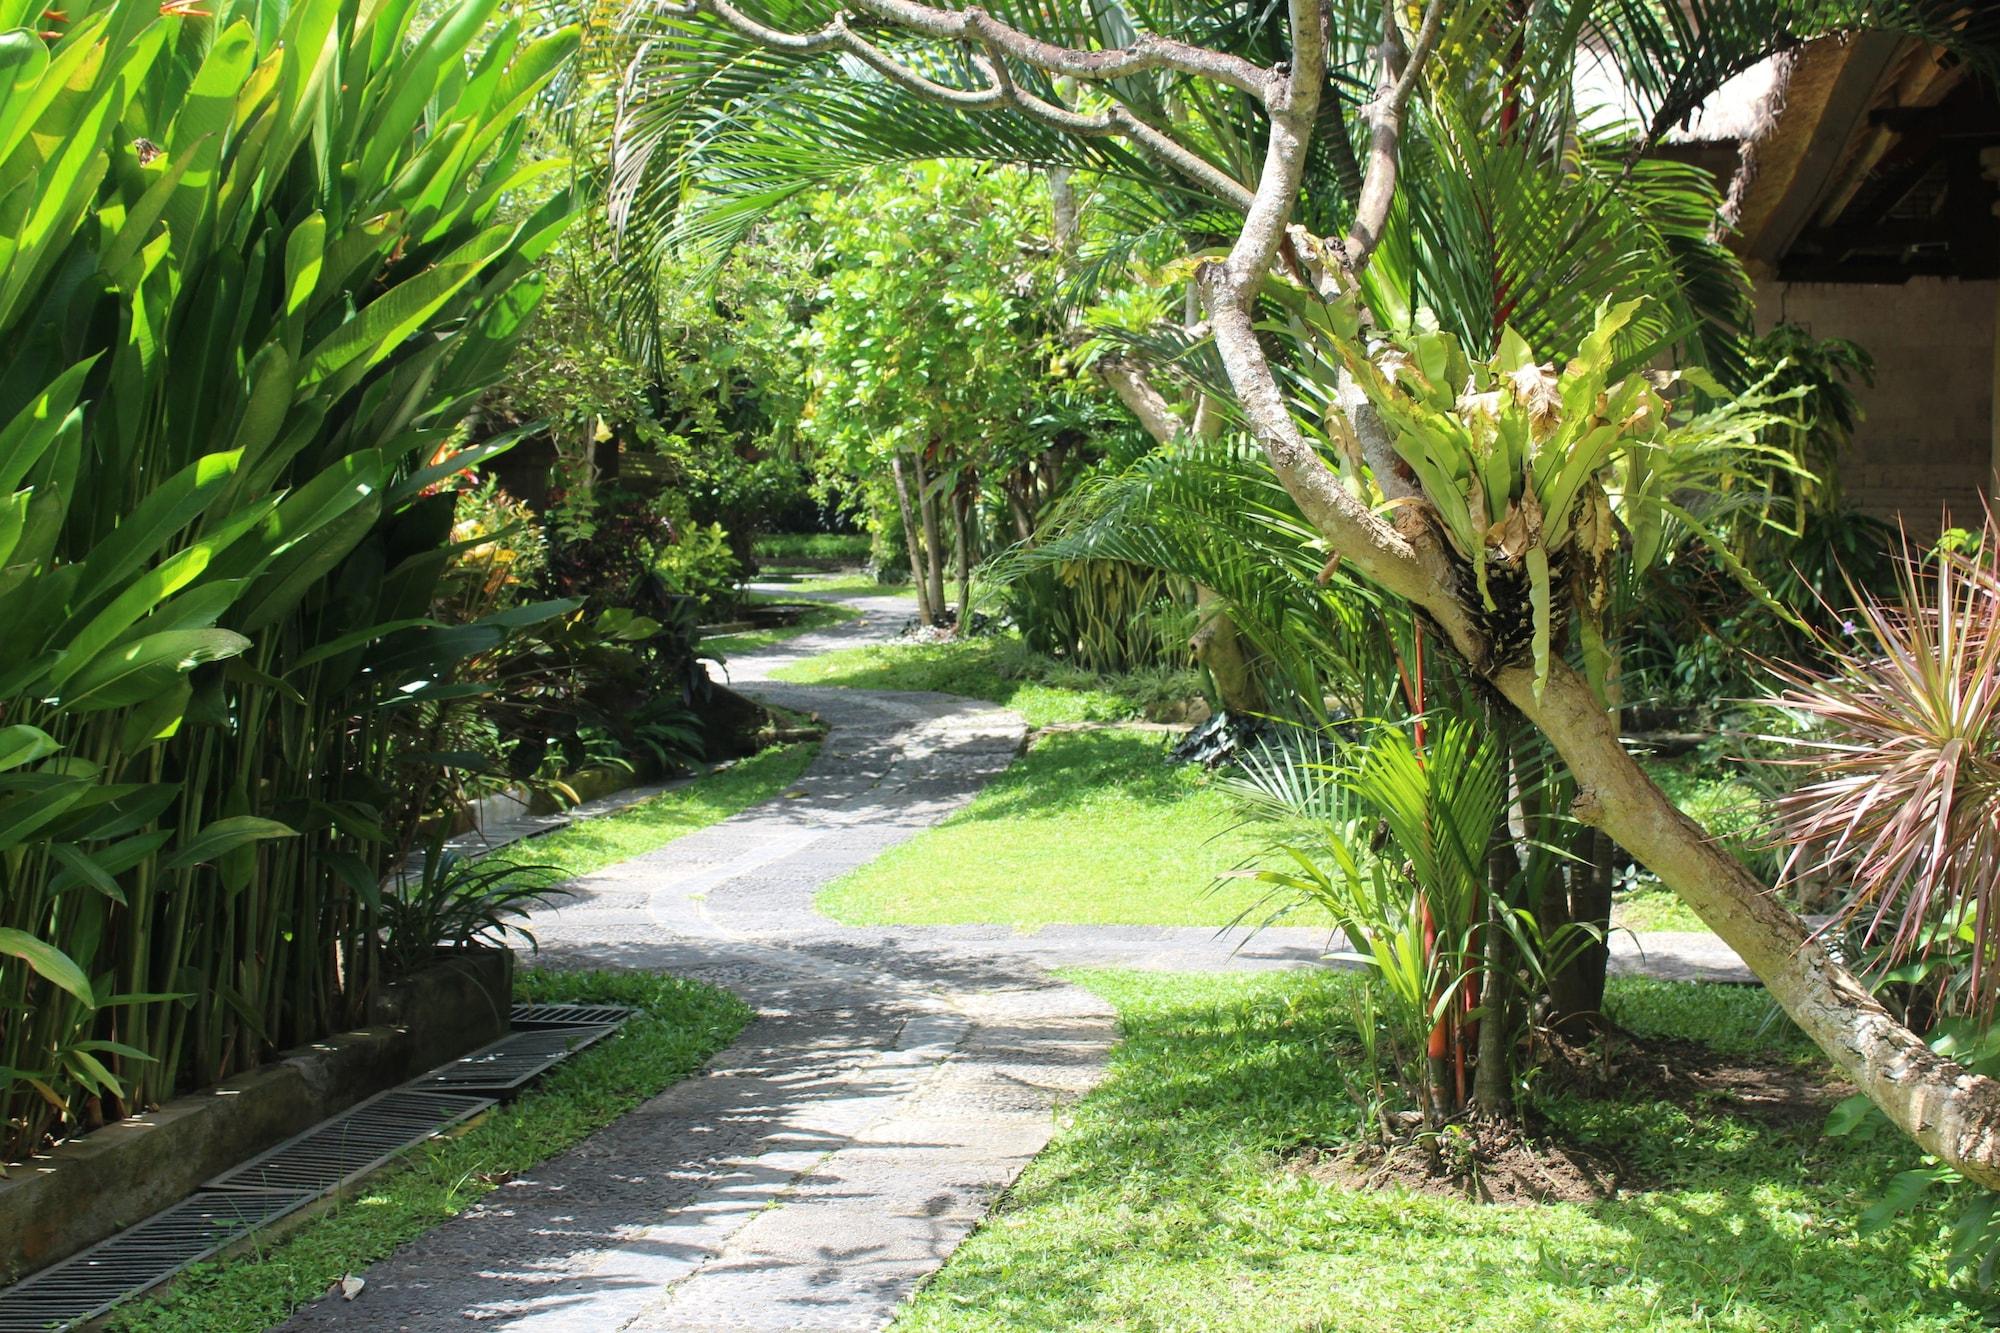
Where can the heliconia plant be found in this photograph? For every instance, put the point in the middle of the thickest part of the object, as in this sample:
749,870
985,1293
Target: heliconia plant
254,266
1902,755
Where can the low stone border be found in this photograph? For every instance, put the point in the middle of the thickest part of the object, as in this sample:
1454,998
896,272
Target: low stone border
93,1186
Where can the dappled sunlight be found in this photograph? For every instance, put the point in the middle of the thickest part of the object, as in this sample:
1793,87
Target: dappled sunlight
1169,1202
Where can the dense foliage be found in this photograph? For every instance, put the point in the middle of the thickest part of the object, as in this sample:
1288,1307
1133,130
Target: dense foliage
266,269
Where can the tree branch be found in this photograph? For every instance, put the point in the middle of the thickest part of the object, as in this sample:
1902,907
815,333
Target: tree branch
1000,41
1401,71
1149,52
1229,290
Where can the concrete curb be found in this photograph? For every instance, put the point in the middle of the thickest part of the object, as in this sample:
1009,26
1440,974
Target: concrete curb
93,1186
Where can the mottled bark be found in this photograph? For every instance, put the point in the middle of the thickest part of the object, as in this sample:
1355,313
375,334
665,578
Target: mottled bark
926,611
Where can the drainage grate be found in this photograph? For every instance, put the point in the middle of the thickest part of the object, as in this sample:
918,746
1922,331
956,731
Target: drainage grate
111,1271
513,1060
353,1143
569,1015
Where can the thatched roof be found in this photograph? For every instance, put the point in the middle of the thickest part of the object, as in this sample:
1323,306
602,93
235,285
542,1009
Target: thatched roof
1836,111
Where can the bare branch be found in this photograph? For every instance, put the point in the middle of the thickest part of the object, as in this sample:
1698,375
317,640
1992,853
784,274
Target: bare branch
1117,121
994,94
998,40
1141,399
1149,52
1401,71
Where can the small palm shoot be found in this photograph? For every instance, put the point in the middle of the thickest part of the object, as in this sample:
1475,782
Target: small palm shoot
1394,841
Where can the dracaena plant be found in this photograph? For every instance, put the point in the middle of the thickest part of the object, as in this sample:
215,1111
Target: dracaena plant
1903,801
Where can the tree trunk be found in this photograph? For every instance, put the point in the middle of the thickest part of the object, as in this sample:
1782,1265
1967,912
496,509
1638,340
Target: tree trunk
933,562
1024,526
1219,648
926,612
1062,205
1949,1111
1493,1084
960,521
1576,990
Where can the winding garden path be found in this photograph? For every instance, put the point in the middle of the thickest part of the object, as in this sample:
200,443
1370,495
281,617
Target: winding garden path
895,1080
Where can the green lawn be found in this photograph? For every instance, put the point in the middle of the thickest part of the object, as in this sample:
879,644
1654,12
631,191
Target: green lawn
858,584
678,1026
592,844
1167,1204
997,668
1087,828
780,546
1651,905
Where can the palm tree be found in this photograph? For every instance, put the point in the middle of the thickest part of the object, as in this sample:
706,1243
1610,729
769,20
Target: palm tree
1376,159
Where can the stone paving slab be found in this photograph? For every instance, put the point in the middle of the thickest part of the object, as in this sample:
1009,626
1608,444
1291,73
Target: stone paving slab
896,1080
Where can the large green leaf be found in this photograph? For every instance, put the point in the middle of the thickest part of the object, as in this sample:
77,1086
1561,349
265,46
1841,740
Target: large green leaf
48,962
225,836
21,744
128,674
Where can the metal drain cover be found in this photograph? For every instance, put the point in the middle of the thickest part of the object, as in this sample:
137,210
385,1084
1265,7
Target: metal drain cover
111,1271
569,1015
513,1060
353,1143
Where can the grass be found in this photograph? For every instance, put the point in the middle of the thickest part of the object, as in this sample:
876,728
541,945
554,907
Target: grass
749,641
1166,1203
1723,801
858,584
810,546
1651,905
592,844
678,1026
1087,828
999,669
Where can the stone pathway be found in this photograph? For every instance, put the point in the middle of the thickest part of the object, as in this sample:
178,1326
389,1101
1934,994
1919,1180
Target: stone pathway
895,1081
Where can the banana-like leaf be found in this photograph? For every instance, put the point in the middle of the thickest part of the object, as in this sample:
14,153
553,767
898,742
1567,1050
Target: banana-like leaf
47,962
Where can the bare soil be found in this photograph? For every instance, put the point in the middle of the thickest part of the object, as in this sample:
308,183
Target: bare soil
1525,1162
1489,1162
1698,1078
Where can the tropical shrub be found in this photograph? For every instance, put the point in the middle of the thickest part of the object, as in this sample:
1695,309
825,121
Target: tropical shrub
1400,835
700,565
1101,615
1901,801
265,266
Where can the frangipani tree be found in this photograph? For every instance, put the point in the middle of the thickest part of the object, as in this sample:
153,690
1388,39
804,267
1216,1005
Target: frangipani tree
931,353
1332,93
